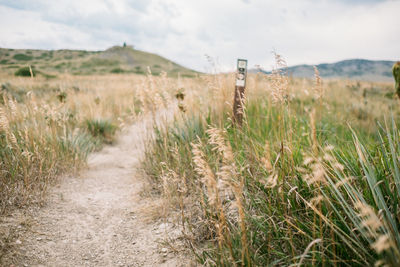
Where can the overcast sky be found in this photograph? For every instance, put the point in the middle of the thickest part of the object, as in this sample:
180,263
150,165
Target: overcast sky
303,31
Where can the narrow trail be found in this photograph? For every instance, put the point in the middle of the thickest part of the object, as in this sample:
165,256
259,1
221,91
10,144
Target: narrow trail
99,217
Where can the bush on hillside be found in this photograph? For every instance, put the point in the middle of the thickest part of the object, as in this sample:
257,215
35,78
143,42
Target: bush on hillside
25,72
22,57
117,70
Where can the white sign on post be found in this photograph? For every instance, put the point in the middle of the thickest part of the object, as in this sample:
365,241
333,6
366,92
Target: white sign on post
241,72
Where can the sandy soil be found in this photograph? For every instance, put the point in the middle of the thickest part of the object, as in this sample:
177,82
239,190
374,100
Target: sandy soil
99,218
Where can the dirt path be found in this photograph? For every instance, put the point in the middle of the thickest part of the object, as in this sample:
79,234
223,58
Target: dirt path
99,218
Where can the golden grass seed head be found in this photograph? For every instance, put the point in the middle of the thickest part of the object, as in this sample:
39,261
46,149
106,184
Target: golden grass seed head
382,243
216,138
317,88
4,123
204,170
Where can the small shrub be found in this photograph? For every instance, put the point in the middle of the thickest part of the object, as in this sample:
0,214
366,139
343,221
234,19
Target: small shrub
25,72
22,57
389,95
101,129
117,70
138,70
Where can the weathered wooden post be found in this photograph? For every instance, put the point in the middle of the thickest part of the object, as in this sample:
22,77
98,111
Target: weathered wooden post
239,91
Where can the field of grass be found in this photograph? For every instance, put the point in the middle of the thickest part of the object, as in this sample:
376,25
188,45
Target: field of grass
311,178
48,127
117,60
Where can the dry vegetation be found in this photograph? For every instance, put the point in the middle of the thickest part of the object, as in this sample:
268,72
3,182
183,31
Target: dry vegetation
48,127
311,178
115,60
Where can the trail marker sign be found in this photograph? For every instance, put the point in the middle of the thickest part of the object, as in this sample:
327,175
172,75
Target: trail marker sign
239,91
241,72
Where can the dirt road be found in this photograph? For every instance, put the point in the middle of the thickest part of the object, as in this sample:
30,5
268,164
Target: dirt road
100,218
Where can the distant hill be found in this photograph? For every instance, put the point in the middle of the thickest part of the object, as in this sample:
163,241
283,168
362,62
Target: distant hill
116,59
356,69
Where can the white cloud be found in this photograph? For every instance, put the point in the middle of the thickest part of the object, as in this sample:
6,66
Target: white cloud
304,31
25,29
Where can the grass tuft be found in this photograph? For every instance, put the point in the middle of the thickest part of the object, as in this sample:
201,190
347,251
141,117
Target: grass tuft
101,129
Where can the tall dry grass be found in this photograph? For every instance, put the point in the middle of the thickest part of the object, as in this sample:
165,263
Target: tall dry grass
48,127
310,178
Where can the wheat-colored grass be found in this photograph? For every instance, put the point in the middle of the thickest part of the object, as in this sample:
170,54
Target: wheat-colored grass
48,126
282,189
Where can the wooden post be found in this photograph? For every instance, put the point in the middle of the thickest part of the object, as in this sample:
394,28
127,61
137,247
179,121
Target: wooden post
240,85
